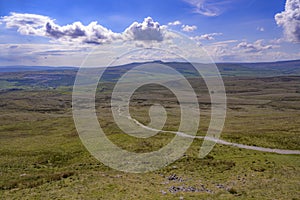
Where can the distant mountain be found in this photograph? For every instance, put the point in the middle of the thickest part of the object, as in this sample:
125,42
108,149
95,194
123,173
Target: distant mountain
32,68
13,77
280,68
267,69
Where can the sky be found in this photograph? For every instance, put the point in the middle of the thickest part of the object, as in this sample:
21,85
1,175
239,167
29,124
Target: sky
64,33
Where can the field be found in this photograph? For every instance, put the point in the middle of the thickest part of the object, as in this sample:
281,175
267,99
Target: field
42,156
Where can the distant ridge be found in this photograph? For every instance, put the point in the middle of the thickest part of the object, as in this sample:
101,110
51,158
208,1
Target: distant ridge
32,68
278,68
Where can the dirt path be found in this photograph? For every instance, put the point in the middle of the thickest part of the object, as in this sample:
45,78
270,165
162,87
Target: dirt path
218,141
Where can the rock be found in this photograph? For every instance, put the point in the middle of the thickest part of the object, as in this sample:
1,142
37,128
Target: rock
174,177
220,186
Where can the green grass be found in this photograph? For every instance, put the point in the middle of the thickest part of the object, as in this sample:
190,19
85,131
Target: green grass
42,157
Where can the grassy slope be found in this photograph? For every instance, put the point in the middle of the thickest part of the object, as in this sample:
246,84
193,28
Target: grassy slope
42,156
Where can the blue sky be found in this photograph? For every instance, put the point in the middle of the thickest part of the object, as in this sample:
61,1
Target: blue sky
230,30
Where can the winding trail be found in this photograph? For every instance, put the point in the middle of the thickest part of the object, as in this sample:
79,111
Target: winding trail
218,141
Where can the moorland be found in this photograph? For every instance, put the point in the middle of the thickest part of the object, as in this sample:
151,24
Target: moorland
42,157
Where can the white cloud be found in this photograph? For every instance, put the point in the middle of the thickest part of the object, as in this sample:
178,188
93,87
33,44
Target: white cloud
93,33
77,32
187,28
136,35
148,30
43,54
39,25
175,23
210,8
225,42
289,19
209,36
257,46
277,41
233,50
202,8
26,24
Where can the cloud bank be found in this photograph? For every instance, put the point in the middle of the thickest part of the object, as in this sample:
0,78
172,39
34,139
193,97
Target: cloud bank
259,51
257,46
93,33
141,33
289,19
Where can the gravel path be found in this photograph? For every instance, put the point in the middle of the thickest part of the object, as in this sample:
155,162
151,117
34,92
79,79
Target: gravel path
218,141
